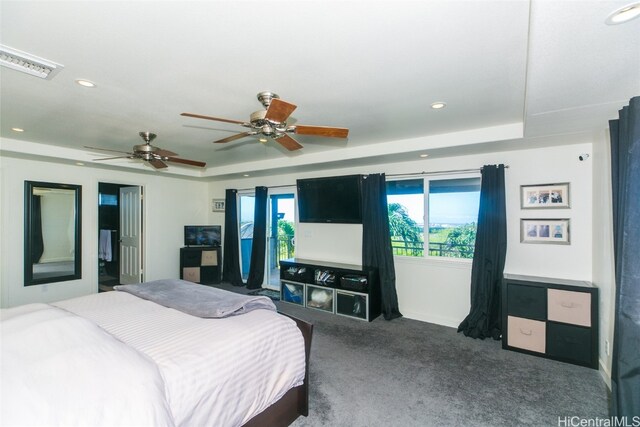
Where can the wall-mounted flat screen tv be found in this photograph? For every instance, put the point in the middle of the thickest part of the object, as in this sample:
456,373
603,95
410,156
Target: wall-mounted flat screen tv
332,199
202,235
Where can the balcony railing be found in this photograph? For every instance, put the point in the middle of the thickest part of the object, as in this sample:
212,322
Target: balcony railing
416,249
284,248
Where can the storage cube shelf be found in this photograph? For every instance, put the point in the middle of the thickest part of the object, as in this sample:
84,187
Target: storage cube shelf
201,264
320,298
552,318
292,292
343,289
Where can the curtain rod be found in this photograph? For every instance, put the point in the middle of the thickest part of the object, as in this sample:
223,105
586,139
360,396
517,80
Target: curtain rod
392,175
268,186
453,171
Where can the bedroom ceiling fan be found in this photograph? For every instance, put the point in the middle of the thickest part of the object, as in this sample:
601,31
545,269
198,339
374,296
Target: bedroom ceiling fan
155,156
272,123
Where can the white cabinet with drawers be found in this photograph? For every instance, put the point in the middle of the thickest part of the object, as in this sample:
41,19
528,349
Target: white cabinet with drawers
551,318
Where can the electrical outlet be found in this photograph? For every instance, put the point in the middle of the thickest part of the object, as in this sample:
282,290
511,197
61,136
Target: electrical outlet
606,347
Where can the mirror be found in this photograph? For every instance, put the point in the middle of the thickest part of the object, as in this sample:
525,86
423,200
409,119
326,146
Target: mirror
52,250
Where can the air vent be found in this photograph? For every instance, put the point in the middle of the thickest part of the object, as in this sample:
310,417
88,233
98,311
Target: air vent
26,63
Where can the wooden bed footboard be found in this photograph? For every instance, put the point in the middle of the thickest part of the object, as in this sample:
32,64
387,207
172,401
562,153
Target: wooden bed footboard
295,402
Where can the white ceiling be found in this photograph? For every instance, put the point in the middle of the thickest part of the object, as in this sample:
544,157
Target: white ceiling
512,73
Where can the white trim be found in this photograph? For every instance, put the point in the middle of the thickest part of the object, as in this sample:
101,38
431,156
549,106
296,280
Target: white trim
606,375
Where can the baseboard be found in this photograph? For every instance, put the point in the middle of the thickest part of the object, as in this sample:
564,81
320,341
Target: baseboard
606,375
438,320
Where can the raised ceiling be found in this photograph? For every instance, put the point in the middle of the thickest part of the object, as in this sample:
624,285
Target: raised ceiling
512,73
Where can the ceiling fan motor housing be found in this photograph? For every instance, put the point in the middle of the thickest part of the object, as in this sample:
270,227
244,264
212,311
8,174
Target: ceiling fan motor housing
144,149
267,127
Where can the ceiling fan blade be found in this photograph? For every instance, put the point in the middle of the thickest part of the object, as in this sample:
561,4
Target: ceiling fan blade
186,162
106,149
234,137
279,110
158,164
321,131
112,158
289,143
200,116
165,153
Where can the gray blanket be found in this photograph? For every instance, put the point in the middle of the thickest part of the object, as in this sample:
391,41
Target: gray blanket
197,300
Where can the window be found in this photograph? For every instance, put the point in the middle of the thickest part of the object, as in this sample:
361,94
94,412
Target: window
451,207
453,216
405,200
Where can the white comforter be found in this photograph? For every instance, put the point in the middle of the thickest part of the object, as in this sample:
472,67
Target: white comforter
217,372
143,365
61,369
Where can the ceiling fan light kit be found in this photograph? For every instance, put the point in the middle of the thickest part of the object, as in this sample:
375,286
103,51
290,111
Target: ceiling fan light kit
272,123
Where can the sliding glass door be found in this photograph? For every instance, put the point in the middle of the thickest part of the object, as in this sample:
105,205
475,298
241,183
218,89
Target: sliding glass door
247,208
281,240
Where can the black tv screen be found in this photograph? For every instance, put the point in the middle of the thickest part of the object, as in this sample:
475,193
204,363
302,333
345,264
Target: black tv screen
202,235
333,199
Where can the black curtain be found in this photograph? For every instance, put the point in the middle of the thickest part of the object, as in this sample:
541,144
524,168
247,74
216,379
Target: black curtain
37,242
625,179
490,251
259,245
376,241
231,261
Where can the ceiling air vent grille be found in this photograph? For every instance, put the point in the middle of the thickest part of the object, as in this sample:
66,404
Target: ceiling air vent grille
26,63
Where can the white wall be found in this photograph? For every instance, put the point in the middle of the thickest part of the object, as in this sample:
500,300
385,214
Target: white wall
169,204
438,290
603,262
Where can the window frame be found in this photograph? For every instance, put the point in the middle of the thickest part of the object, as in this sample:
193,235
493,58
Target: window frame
425,232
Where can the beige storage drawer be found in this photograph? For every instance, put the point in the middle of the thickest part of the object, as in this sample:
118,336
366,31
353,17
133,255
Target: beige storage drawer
569,307
526,334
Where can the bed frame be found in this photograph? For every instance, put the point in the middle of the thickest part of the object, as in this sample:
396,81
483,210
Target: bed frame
295,402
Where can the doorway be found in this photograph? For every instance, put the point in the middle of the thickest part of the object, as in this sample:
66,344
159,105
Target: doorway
119,235
281,238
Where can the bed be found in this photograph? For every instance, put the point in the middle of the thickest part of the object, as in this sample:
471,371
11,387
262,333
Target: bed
116,358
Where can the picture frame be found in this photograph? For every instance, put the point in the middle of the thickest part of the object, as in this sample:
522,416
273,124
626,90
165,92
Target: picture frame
217,205
545,196
540,230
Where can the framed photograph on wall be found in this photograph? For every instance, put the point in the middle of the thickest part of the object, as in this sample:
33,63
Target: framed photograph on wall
217,205
554,231
544,196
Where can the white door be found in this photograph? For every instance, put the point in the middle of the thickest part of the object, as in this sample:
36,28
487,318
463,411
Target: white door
130,235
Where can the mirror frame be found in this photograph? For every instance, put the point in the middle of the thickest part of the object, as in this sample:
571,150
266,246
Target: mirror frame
28,227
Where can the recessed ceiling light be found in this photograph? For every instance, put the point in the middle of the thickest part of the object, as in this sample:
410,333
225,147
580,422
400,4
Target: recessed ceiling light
79,163
17,129
624,14
263,140
85,83
438,105
246,174
424,155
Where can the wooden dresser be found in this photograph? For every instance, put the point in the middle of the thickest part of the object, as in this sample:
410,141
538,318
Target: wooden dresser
552,318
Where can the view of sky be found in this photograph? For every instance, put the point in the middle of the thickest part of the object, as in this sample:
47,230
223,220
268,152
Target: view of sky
445,208
247,206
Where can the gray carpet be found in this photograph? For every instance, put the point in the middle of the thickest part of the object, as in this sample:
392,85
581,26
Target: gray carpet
410,373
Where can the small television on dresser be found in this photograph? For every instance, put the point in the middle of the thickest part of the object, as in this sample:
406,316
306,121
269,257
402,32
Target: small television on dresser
202,235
